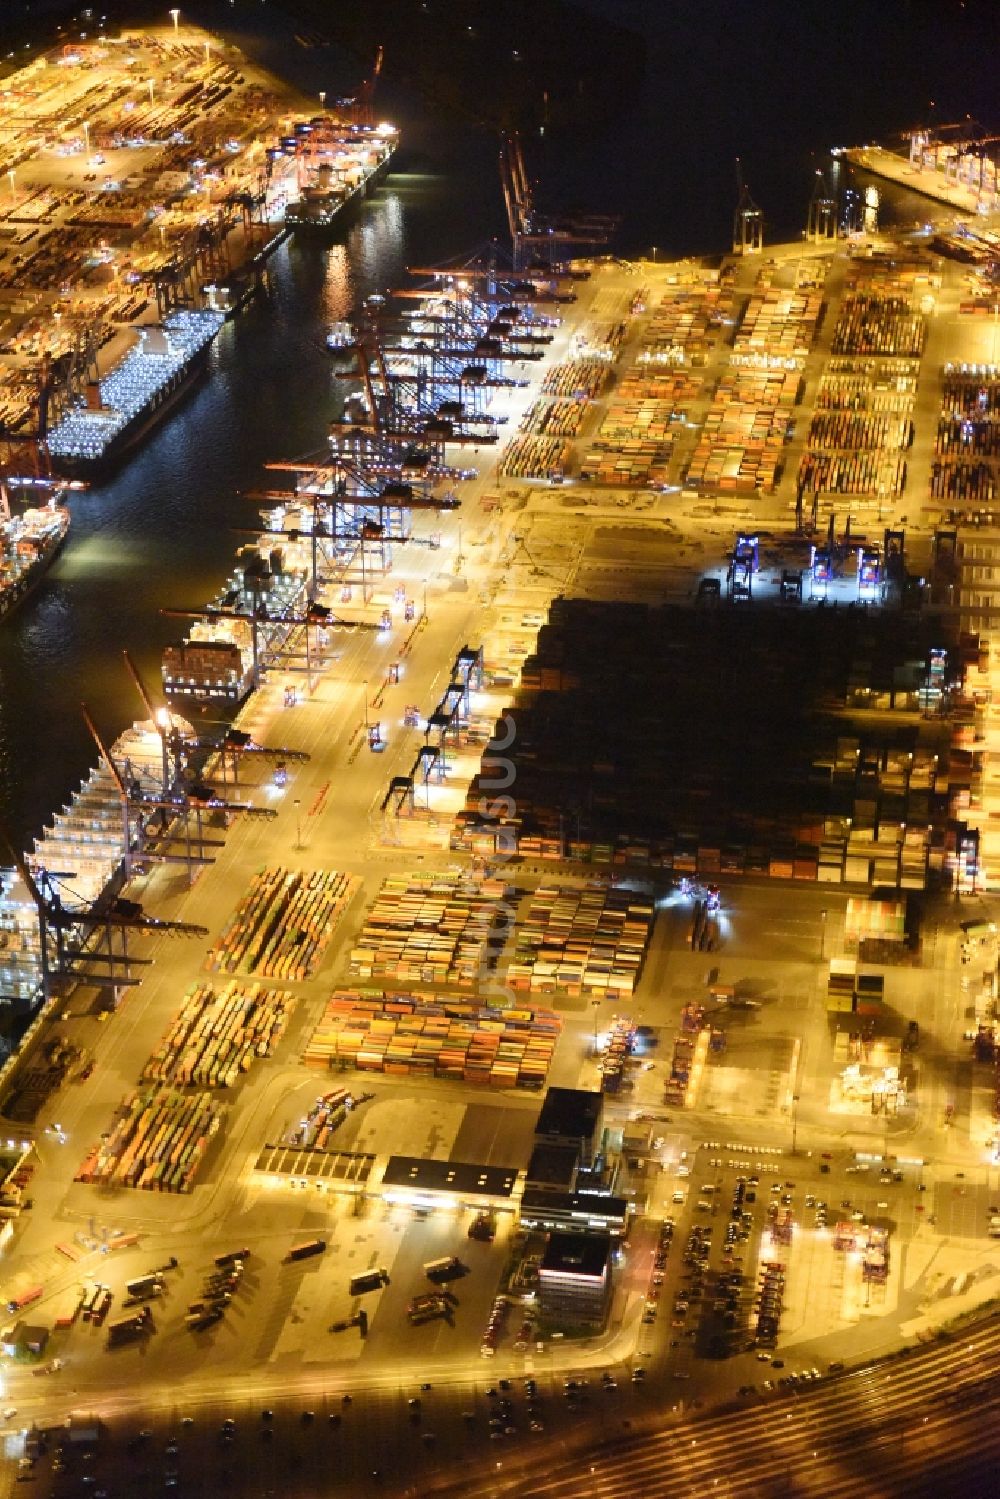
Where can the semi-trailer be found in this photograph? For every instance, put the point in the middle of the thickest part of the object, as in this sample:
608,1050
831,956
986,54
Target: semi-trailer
310,1247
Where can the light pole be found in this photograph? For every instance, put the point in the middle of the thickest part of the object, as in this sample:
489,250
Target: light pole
654,254
364,685
13,189
822,934
795,1119
297,804
424,615
322,98
86,138
150,93
595,1006
175,16
208,59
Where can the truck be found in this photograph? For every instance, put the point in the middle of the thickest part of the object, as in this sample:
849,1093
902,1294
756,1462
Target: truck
149,1295
423,1308
200,1321
69,1309
370,1280
90,1300
126,1328
230,1259
103,1306
310,1247
443,1268
18,1303
145,1285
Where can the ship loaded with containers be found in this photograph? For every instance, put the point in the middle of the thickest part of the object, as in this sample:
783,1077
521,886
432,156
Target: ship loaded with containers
337,165
220,659
29,543
136,394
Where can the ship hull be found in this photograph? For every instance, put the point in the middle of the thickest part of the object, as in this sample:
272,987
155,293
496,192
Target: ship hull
343,211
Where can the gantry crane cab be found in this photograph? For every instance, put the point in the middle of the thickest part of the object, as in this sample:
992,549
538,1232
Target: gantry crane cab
869,572
743,563
748,547
414,463
821,565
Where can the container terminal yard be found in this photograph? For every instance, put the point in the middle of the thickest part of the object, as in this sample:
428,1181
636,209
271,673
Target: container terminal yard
147,177
454,1051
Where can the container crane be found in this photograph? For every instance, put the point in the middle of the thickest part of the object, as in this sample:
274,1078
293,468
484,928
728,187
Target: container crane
543,237
743,563
748,220
821,220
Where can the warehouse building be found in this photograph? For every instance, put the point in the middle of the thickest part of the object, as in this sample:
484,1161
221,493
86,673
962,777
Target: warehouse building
448,1184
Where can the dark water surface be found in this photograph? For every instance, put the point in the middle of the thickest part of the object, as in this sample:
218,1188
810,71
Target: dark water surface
773,82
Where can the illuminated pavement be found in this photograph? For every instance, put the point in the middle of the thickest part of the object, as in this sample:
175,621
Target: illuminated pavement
275,1343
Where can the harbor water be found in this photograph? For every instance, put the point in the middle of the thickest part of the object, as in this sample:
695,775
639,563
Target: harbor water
162,532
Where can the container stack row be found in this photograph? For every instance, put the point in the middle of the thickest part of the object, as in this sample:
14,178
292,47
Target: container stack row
282,926
156,1141
581,941
862,425
420,1034
688,321
556,418
677,387
852,473
739,447
779,323
577,379
876,322
526,457
967,466
632,445
879,386
858,431
218,1033
435,929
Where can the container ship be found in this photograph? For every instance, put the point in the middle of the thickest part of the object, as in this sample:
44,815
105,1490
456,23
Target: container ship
136,394
336,165
340,339
223,655
29,542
